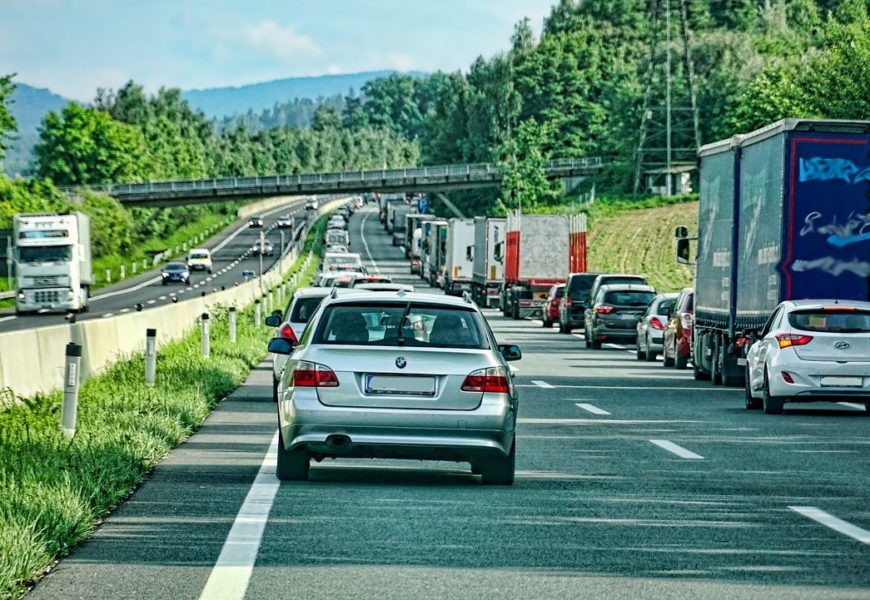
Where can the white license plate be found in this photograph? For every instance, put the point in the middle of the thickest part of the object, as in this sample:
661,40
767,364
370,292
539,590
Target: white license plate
842,381
390,384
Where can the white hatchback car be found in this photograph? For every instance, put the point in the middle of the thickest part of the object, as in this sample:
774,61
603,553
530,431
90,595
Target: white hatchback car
811,350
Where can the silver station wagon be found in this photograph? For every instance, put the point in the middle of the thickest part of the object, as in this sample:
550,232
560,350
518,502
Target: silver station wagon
397,375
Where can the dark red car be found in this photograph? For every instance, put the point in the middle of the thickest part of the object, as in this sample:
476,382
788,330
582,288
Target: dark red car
551,305
677,343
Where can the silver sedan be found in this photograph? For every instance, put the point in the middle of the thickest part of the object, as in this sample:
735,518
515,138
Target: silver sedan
651,327
397,375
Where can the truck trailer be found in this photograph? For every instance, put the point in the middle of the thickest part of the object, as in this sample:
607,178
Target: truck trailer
434,251
487,272
540,250
52,255
458,263
400,223
783,215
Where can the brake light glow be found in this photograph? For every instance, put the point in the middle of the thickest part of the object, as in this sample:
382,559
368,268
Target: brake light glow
493,379
604,309
309,374
655,323
789,339
286,332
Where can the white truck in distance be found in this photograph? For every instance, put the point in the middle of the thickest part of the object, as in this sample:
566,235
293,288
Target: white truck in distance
459,259
488,272
52,255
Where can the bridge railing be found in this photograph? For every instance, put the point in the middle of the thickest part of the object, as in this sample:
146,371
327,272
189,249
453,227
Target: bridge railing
467,171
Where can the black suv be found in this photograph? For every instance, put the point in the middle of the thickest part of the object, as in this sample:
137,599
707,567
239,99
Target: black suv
572,306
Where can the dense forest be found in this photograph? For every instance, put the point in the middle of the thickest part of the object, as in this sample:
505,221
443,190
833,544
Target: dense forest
576,88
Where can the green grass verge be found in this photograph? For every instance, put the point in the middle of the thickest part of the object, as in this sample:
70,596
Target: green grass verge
53,491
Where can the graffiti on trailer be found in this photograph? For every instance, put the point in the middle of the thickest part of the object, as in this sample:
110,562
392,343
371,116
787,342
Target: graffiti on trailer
856,228
824,169
834,267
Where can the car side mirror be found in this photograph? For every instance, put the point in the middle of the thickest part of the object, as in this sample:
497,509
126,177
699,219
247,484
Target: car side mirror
279,345
510,351
683,251
273,320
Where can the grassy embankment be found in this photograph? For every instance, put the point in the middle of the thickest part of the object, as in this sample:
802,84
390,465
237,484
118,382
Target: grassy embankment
53,491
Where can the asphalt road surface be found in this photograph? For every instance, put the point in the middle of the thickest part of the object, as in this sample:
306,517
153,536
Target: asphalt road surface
633,481
231,256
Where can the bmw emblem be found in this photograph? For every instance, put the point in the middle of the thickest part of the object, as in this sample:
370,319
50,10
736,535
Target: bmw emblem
401,362
842,345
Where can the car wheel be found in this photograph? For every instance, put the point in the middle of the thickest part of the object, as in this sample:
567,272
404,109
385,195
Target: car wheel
596,343
667,361
649,354
587,341
546,324
499,471
639,353
772,405
274,390
699,374
715,373
750,402
475,469
515,312
680,362
568,328
561,327
292,464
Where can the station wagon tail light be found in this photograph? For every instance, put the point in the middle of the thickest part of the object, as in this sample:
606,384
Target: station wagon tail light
789,339
655,323
309,374
493,379
604,309
286,332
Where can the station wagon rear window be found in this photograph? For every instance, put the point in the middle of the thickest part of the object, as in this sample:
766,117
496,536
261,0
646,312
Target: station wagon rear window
629,298
394,324
831,320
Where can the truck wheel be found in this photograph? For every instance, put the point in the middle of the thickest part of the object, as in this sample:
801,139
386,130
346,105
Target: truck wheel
499,471
772,405
698,373
292,464
715,373
750,402
515,312
727,379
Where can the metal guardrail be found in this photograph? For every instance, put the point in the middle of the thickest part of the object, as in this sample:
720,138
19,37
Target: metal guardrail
466,171
7,295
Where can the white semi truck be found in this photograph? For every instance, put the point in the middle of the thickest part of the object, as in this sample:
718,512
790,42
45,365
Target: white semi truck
459,257
52,255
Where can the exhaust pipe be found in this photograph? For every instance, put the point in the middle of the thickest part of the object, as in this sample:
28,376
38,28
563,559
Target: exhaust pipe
338,441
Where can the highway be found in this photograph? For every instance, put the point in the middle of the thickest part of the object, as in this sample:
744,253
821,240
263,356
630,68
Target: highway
633,481
231,255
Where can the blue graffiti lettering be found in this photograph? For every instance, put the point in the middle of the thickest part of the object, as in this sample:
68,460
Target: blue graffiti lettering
825,169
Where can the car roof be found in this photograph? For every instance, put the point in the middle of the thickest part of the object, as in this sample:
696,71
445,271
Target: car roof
603,275
312,292
403,298
830,302
627,287
668,295
384,287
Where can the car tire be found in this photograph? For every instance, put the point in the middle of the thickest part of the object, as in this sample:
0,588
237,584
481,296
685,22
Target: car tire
568,328
667,361
475,469
596,343
680,362
546,324
561,327
499,471
292,464
587,341
750,402
639,353
515,312
715,373
772,404
698,373
274,390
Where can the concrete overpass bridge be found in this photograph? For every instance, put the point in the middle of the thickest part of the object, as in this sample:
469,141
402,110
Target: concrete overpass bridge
413,179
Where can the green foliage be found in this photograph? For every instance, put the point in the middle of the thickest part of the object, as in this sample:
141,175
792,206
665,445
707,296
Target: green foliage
22,196
525,185
7,120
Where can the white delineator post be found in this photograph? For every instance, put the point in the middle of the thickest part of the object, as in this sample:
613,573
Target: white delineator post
257,314
71,377
205,335
232,324
150,356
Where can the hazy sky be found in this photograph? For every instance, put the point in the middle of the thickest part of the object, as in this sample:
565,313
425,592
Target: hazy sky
75,46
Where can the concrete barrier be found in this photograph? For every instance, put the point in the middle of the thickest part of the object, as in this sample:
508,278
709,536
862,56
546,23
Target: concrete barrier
32,361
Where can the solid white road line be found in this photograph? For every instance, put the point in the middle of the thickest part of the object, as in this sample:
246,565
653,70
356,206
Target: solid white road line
591,408
542,384
135,288
571,422
852,405
839,525
8,318
232,572
678,450
106,315
366,244
614,346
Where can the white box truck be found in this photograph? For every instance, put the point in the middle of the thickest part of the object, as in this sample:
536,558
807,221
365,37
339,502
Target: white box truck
459,261
52,255
487,273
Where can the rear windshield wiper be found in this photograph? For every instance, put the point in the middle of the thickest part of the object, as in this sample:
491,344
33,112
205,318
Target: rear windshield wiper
400,338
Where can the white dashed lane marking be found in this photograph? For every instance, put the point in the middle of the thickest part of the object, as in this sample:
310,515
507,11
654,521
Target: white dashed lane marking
678,450
591,408
542,384
838,525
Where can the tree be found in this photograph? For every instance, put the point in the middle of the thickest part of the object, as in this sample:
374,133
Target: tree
7,120
524,184
326,117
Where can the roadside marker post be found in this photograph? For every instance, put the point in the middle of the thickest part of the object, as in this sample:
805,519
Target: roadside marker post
150,356
71,377
205,335
257,314
232,324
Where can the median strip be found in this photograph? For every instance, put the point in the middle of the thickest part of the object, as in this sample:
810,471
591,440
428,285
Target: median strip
678,450
829,520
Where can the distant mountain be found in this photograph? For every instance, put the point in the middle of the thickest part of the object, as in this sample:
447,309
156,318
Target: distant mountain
29,105
228,101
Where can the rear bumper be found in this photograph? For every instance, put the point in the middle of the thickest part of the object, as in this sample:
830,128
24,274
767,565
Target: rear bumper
486,431
601,330
807,377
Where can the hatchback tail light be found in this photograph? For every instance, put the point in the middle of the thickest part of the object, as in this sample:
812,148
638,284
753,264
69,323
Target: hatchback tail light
604,309
655,323
309,374
789,339
493,379
286,332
